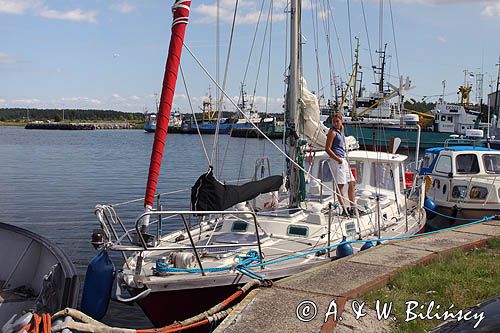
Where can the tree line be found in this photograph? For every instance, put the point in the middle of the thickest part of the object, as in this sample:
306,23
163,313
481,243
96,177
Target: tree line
24,114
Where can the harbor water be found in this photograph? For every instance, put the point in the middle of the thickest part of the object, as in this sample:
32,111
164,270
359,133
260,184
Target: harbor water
51,181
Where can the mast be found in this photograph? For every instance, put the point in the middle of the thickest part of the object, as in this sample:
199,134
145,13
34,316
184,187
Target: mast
180,11
495,108
381,69
356,66
292,101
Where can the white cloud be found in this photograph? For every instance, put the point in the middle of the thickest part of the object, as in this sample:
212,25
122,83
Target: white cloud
75,15
123,7
136,103
491,10
80,101
17,6
39,8
441,39
248,12
29,101
443,2
6,58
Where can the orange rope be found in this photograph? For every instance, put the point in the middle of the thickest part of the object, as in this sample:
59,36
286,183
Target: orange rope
35,324
46,322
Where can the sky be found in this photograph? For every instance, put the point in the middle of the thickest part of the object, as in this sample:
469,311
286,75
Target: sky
111,54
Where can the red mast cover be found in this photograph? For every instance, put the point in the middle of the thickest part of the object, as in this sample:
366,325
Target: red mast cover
180,11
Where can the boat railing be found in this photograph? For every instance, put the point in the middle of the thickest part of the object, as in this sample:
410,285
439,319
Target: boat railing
464,141
108,217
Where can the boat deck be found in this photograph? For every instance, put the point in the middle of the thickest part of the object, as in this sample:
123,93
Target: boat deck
342,280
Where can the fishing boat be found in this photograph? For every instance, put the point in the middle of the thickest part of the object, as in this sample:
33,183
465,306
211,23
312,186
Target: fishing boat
463,183
150,122
266,229
270,126
377,118
35,276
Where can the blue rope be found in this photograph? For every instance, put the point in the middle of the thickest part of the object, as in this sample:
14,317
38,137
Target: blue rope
484,219
245,262
449,217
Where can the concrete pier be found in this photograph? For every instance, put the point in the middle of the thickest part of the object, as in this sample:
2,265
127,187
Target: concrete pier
342,281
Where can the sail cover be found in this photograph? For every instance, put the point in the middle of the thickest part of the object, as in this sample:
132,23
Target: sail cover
209,194
180,11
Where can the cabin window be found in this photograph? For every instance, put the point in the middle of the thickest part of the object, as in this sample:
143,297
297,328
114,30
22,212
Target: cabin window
478,193
459,192
239,226
491,163
443,164
350,229
467,163
382,176
427,160
450,118
297,231
358,165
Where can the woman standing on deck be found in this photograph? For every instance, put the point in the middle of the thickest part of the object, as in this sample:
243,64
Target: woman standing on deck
336,149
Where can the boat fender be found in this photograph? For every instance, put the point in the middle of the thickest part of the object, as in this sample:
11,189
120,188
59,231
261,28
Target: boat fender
344,250
98,285
431,207
14,325
366,246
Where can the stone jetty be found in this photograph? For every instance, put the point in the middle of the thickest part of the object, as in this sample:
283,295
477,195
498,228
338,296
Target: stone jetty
77,126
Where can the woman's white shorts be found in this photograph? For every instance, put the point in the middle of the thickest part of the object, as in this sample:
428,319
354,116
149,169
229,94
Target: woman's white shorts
341,172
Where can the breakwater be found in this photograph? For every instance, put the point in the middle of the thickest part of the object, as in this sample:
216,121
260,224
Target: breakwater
78,126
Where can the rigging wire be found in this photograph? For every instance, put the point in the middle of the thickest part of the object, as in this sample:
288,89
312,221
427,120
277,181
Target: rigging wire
314,19
381,25
217,76
261,53
285,71
394,36
306,172
268,71
253,43
331,66
194,116
368,39
350,31
330,10
215,149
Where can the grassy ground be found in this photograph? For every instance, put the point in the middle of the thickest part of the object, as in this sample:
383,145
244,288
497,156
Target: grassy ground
460,278
12,123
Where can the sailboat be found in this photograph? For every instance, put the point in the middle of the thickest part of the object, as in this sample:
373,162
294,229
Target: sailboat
267,229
